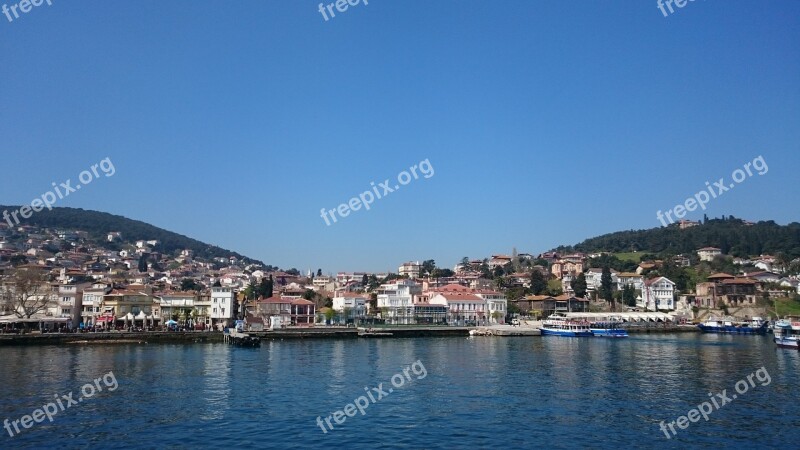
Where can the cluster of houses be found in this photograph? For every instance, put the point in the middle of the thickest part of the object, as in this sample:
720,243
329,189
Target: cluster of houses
137,285
402,301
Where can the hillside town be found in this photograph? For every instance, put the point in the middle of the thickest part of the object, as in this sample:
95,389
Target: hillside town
63,280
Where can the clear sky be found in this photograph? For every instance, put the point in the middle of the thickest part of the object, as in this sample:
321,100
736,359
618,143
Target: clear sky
546,122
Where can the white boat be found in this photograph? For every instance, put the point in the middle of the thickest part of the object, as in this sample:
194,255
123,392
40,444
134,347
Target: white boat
558,325
787,334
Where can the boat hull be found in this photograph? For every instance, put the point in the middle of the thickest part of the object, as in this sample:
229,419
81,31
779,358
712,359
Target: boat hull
565,333
612,332
733,329
786,342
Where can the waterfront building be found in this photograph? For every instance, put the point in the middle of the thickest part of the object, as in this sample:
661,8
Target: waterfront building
349,305
91,303
396,301
129,307
222,307
290,311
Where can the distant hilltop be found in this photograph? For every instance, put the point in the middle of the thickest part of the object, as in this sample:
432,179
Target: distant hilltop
112,229
732,236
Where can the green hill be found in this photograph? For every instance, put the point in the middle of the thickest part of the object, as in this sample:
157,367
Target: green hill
99,224
733,236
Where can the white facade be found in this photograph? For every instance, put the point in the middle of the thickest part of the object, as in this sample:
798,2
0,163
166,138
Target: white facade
411,269
396,300
353,305
91,303
657,294
222,302
629,278
708,253
462,308
70,303
495,302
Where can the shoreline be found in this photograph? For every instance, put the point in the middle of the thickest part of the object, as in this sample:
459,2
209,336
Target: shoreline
173,337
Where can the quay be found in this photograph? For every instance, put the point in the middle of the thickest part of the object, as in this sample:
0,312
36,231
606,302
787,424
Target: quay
406,331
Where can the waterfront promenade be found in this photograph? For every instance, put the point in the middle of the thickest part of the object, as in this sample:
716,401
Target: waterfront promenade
526,328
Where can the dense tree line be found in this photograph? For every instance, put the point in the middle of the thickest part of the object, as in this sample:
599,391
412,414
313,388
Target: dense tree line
729,234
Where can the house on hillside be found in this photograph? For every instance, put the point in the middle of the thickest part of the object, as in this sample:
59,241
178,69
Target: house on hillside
708,253
658,294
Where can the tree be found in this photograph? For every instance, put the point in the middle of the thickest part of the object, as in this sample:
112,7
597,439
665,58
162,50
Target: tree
189,284
328,302
26,294
538,283
264,289
554,287
629,295
251,291
18,260
465,265
309,294
373,302
442,273
319,272
606,286
428,267
373,282
143,263
364,281
578,285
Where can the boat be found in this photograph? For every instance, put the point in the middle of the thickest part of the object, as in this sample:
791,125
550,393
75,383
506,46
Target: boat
730,326
370,333
787,334
557,325
608,328
237,337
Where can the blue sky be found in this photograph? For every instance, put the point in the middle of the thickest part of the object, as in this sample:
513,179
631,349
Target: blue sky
547,122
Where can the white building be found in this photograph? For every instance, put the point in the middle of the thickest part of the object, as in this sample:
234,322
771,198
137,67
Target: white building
708,253
463,308
496,302
395,300
91,303
349,305
657,294
70,303
628,278
411,269
223,300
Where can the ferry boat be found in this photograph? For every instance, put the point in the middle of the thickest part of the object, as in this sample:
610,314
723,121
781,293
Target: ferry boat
609,328
557,325
787,334
727,325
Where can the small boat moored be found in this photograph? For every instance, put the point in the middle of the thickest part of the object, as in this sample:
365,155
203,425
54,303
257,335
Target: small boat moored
756,325
237,337
787,334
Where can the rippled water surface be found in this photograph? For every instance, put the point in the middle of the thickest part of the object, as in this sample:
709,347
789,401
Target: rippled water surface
475,393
